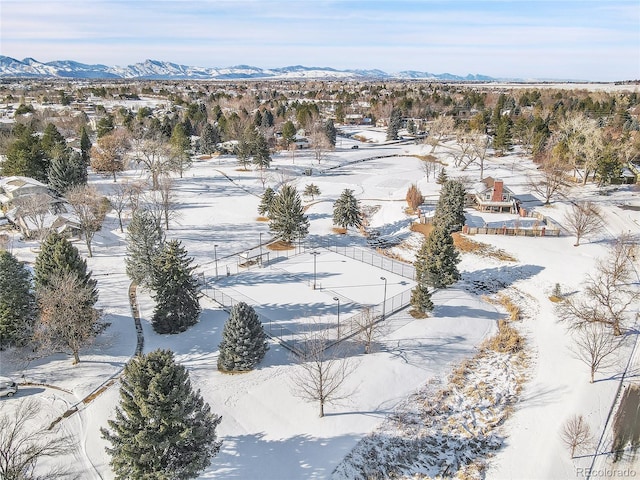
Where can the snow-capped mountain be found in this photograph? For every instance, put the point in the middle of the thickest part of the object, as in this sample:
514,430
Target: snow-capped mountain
160,70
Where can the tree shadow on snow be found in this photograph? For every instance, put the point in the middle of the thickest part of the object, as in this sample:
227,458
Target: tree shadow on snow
492,280
254,456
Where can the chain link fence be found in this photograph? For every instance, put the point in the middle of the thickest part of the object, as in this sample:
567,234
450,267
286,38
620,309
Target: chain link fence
294,340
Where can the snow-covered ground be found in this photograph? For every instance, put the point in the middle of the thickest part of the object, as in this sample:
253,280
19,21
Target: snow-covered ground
267,431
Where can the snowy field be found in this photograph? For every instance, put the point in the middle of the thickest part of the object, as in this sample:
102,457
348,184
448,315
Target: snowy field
267,431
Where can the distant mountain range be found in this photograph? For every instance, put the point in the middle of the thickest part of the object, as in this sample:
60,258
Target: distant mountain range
159,70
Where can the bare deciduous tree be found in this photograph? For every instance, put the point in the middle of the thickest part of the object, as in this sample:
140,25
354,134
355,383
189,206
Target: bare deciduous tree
596,347
319,142
154,155
119,200
582,219
440,127
464,154
576,434
552,179
33,210
162,202
322,373
67,320
480,148
584,140
429,166
608,293
90,207
134,192
23,445
369,328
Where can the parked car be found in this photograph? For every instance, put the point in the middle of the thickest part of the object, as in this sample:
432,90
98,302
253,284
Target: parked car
354,147
7,387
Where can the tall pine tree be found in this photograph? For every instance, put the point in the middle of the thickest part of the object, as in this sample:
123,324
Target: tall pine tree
162,428
395,122
175,290
331,132
346,210
144,242
288,221
85,146
260,151
421,300
267,200
25,156
449,213
244,343
58,257
436,261
180,146
17,301
209,139
66,172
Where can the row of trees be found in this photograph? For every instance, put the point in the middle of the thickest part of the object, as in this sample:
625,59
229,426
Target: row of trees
287,220
165,268
55,309
436,261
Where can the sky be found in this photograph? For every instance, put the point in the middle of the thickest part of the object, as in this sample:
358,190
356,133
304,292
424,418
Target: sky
545,39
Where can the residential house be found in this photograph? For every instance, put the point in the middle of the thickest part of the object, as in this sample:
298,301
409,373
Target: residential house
34,208
491,195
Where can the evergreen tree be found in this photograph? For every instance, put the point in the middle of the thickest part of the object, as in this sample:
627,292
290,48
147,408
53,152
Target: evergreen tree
162,429
244,343
346,210
85,146
58,257
288,132
395,122
502,140
267,200
180,145
209,139
288,221
176,290
52,142
449,213
257,119
311,190
411,127
436,261
260,151
144,241
17,301
442,177
67,172
331,132
25,157
105,125
421,299
267,119
244,148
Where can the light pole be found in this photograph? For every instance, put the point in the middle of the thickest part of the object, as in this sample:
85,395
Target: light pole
338,300
215,256
260,249
384,299
315,254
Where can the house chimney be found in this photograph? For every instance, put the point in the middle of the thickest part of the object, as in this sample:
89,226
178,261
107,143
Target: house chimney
497,191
